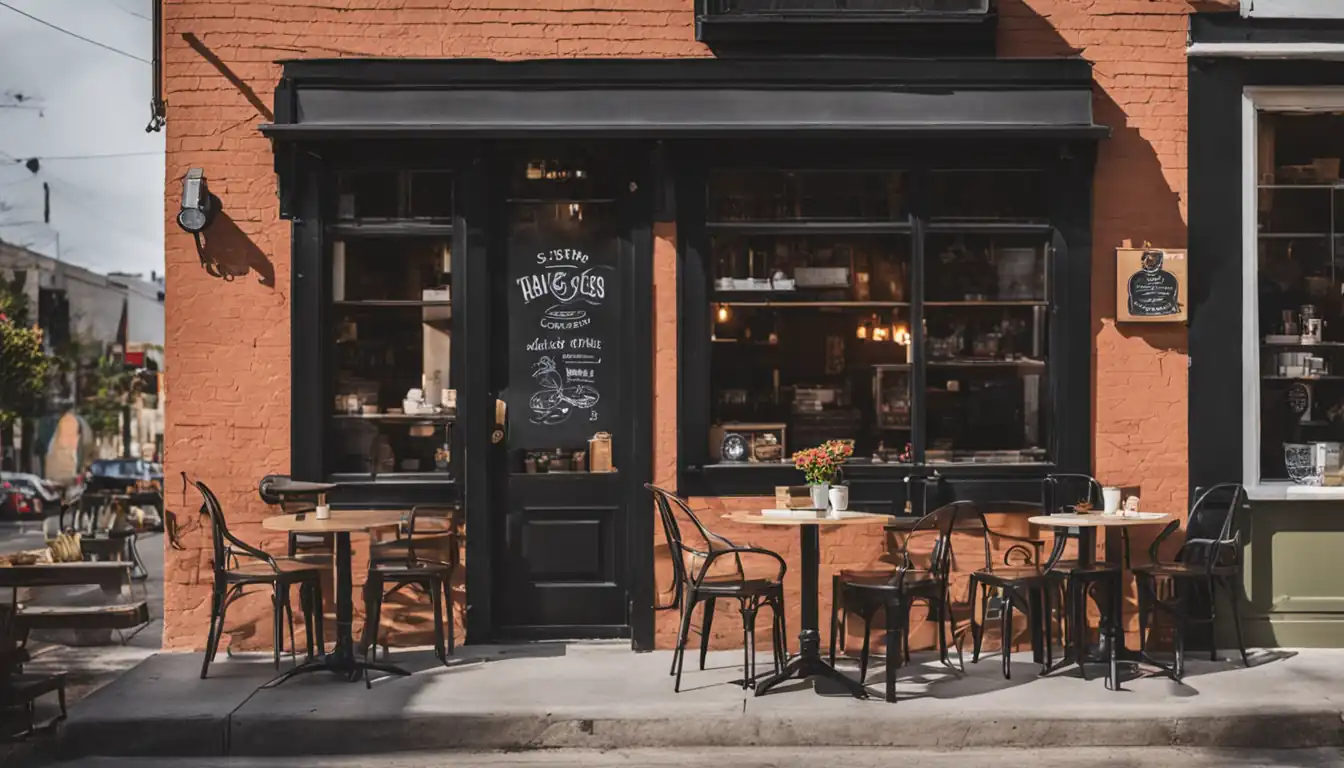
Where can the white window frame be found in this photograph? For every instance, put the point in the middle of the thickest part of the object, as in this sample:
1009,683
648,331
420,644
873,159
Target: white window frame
1293,9
1255,100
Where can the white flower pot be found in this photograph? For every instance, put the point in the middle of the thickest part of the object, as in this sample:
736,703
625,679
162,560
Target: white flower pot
820,494
839,498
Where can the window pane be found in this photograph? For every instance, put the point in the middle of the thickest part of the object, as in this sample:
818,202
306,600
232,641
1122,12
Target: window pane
368,195
988,195
430,195
383,446
985,268
837,268
391,338
843,6
986,384
391,269
776,195
808,374
1301,320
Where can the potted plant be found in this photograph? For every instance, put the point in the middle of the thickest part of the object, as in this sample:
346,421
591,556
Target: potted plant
820,467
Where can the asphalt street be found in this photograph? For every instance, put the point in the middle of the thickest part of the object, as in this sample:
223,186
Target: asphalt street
769,758
16,535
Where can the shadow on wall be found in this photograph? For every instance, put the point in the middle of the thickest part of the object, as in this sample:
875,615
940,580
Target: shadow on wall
237,82
228,253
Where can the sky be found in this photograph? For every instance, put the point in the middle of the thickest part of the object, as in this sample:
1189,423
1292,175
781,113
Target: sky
61,97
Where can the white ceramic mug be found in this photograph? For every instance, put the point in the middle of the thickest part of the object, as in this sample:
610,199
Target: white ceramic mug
839,498
1110,497
323,512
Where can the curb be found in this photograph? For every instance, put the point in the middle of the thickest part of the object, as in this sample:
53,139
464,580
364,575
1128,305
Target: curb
257,736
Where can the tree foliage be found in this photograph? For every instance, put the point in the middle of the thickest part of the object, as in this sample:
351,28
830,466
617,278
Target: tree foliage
23,362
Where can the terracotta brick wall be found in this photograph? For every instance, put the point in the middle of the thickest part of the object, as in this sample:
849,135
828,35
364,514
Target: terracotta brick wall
228,341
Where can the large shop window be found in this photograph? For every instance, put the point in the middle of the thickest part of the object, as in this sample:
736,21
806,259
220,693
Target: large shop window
1299,288
823,285
391,321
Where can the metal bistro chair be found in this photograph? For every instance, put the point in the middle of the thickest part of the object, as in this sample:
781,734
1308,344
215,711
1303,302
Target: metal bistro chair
1020,585
232,576
701,576
1209,558
314,547
893,591
407,562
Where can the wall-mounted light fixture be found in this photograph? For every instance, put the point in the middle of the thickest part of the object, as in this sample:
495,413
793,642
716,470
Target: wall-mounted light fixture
198,205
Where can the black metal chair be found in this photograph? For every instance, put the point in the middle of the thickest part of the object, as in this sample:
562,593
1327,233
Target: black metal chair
408,561
865,592
1022,584
1209,558
314,547
232,576
700,576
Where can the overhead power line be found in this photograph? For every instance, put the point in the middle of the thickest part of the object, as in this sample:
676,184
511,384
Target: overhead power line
90,41
98,157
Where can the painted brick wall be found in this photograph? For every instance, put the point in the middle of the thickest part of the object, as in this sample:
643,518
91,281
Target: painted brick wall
228,341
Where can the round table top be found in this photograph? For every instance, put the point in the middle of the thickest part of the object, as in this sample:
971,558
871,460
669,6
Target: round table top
850,518
284,487
1099,520
341,521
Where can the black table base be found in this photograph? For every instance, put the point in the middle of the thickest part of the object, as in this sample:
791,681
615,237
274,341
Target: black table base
808,662
342,660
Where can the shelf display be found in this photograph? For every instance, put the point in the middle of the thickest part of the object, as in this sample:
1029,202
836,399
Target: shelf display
394,406
813,324
1299,215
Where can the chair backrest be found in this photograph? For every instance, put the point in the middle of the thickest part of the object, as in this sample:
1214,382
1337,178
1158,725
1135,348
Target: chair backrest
941,522
421,513
1017,509
685,553
1211,529
1064,490
290,504
221,540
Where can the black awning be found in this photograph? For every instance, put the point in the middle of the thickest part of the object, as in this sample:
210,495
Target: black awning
324,99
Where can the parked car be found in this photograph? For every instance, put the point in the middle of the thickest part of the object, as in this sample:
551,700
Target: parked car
19,502
34,485
121,474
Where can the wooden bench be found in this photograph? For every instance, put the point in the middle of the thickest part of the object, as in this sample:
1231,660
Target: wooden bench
109,576
20,690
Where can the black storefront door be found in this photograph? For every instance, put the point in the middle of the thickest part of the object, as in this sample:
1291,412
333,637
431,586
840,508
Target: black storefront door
563,274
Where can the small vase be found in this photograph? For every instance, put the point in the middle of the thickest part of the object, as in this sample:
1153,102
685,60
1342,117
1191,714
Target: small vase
839,498
820,494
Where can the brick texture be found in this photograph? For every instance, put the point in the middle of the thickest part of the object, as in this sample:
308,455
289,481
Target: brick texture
228,340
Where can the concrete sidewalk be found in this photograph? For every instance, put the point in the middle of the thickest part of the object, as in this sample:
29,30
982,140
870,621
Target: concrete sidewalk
602,696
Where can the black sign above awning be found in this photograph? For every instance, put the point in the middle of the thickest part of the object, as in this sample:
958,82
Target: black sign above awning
671,98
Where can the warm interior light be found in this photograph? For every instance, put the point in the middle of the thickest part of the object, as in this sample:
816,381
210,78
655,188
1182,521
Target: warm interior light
723,313
900,335
862,331
881,333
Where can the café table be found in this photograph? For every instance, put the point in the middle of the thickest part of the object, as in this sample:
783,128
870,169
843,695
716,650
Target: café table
809,662
342,659
1087,526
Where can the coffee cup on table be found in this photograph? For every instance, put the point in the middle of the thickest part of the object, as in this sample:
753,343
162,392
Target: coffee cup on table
1110,497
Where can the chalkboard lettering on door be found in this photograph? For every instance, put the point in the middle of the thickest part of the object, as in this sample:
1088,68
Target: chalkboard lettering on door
564,324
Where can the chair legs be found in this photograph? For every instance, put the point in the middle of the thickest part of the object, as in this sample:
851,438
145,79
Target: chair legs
679,655
895,643
1236,619
706,621
836,586
217,608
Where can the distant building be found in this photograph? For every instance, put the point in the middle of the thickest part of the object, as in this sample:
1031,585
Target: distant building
91,314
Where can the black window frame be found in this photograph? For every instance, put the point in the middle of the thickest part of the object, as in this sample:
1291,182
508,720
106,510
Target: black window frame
316,227
887,487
